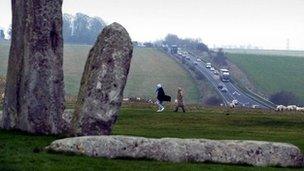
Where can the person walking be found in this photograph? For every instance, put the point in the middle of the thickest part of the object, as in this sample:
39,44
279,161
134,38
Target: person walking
179,100
161,97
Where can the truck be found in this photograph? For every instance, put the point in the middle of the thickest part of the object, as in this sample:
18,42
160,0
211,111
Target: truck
174,49
224,75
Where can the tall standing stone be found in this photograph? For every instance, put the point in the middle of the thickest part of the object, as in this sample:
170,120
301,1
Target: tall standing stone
103,82
34,95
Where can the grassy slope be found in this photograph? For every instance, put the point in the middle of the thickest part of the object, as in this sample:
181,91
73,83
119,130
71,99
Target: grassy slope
16,149
273,73
149,67
4,50
282,53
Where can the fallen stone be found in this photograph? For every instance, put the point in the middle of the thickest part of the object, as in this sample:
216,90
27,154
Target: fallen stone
34,94
103,82
254,153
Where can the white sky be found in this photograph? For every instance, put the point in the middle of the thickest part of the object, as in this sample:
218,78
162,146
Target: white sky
263,23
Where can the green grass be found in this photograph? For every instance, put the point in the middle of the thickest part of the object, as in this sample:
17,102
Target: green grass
282,53
271,74
16,149
4,51
149,67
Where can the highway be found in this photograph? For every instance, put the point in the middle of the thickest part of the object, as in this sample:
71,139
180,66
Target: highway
233,93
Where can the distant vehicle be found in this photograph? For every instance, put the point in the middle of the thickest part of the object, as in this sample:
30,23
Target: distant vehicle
208,65
224,74
224,90
212,69
195,63
198,60
220,86
188,58
216,72
174,49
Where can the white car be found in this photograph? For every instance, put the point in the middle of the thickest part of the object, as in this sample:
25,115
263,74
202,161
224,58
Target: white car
212,69
198,60
208,65
224,90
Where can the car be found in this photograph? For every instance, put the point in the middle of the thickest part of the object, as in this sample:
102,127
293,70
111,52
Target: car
195,63
208,65
212,69
216,72
220,86
198,60
224,90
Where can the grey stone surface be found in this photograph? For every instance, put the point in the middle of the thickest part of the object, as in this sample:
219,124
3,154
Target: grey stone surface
1,119
103,82
34,95
183,150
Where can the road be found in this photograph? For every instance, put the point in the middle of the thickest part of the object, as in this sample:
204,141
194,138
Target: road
233,93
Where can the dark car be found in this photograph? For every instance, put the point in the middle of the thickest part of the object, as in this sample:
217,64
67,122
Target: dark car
220,86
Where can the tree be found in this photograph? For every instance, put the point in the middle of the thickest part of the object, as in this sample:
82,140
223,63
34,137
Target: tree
194,44
81,29
9,32
220,58
2,36
172,39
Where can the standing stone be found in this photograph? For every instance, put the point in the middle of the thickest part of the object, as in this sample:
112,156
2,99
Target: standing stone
103,82
34,95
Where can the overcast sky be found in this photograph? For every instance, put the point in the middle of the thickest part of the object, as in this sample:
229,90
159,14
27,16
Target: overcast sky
262,23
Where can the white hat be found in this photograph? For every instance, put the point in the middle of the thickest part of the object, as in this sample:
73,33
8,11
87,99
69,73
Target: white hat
159,85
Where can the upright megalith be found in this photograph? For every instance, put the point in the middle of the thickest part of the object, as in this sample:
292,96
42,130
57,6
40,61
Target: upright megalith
34,95
103,82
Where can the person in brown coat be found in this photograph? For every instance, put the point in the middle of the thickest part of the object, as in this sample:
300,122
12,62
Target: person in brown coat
179,100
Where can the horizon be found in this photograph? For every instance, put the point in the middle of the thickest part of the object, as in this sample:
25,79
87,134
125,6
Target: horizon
271,24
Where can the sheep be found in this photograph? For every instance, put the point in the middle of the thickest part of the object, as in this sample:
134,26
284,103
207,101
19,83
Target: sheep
150,101
126,99
281,108
291,107
300,109
235,102
231,105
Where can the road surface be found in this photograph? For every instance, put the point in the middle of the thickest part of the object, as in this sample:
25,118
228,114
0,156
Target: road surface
233,93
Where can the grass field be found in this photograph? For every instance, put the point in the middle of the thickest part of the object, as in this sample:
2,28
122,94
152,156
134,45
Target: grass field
149,67
282,53
17,149
271,73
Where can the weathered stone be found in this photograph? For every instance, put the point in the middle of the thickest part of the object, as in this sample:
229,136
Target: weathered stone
1,119
103,82
183,150
34,95
67,118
